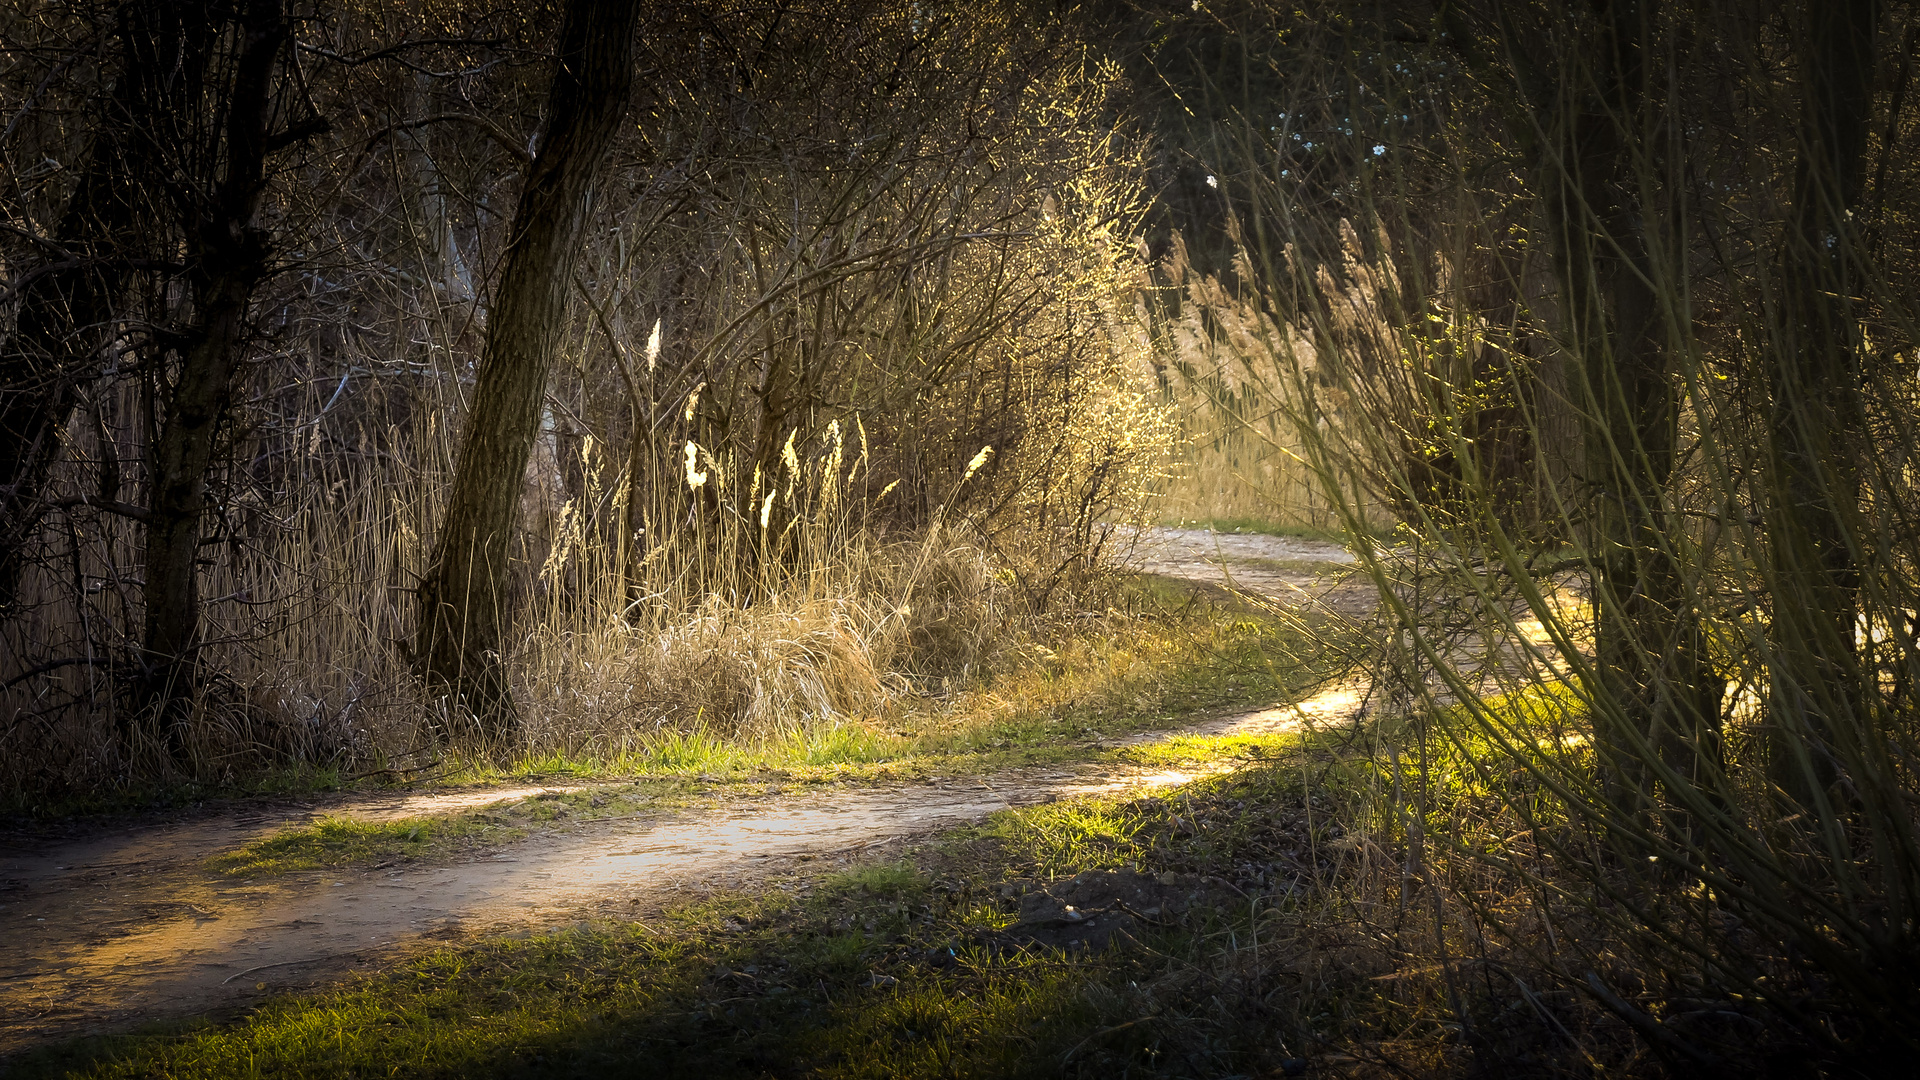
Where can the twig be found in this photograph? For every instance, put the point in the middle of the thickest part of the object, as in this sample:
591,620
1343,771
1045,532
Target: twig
500,136
1656,1033
52,665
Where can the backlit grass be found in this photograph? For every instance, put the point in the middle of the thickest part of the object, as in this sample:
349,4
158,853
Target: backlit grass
890,969
1163,657
1139,674
1167,665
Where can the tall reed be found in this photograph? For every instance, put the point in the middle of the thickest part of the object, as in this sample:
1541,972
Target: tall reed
1565,354
838,409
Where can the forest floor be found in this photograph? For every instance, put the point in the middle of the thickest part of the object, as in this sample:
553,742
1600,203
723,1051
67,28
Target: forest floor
111,926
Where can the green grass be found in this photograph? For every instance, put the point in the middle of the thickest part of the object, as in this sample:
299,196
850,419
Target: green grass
339,841
331,841
886,970
1140,675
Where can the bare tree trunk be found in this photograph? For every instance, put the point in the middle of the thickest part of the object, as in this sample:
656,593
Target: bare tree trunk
227,259
56,343
65,311
1657,694
1813,497
463,600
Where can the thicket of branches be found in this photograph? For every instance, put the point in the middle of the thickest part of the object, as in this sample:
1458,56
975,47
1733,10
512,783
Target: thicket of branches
1612,305
850,366
847,317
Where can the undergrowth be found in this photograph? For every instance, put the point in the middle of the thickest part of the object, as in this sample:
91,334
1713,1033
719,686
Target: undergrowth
1162,658
1138,676
1289,934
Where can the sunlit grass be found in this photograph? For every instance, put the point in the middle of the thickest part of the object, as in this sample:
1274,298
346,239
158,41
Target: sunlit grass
339,840
1093,834
1207,749
881,970
1129,675
1164,658
1137,675
1257,526
333,841
893,879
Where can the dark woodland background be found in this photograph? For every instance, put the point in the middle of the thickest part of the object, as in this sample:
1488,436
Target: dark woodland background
382,382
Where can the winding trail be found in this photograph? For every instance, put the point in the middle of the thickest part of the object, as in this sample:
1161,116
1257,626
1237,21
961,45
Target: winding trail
99,933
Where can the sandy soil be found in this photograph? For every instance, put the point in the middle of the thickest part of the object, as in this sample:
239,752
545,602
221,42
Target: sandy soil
101,932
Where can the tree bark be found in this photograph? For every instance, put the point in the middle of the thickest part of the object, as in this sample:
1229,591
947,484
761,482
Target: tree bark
227,259
65,312
463,599
1656,695
1818,420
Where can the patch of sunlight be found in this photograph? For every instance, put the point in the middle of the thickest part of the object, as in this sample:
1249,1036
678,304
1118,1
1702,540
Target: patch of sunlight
1334,704
1744,705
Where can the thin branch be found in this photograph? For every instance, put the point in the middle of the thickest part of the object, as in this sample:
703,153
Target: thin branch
112,506
392,52
75,262
51,665
503,138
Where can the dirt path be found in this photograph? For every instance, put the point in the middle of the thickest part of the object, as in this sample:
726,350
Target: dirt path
1285,569
100,933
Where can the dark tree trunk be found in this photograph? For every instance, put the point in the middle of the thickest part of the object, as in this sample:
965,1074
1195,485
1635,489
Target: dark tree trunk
1817,415
1657,694
1656,697
57,339
463,600
227,259
65,310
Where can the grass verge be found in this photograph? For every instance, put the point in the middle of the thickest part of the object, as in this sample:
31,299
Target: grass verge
1135,676
1164,656
944,962
1273,920
339,840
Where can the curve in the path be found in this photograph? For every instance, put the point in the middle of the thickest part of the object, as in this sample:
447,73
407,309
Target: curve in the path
96,945
105,931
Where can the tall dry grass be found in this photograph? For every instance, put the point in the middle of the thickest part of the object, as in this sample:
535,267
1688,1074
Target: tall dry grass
852,622
1241,458
1615,785
843,410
